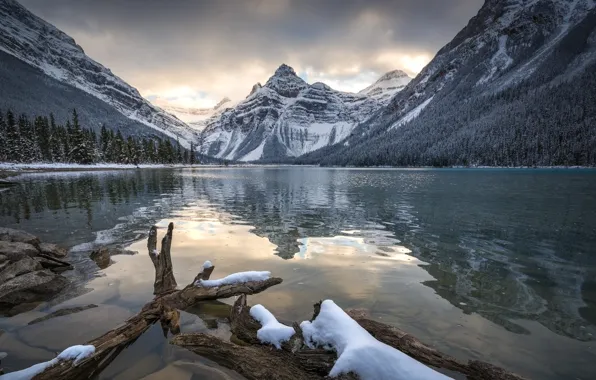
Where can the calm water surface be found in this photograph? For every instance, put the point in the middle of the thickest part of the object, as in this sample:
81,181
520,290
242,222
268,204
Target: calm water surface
496,265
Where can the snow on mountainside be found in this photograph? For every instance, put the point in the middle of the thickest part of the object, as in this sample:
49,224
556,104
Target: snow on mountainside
41,45
387,86
196,118
501,46
514,87
287,117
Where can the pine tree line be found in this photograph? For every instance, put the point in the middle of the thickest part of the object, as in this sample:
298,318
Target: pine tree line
42,140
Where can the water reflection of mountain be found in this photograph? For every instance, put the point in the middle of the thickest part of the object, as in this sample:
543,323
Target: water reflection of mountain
489,242
506,245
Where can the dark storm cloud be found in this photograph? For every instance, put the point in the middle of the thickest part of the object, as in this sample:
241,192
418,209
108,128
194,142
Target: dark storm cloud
222,47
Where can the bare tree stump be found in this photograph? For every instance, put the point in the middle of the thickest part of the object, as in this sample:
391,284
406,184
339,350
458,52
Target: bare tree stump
164,273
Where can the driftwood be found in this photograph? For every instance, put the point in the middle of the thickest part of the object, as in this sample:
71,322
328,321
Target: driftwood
254,360
163,308
406,343
244,353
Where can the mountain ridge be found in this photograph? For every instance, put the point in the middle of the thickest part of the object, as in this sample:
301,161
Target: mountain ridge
38,43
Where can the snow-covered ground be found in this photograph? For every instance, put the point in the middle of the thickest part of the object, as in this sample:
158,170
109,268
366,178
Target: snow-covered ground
64,166
360,352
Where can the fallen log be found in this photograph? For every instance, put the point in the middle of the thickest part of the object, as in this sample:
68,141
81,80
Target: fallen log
410,345
163,308
295,360
249,357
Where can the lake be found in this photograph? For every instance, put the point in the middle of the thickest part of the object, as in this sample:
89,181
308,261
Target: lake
488,264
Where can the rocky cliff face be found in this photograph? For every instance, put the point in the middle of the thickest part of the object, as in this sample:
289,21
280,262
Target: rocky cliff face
286,117
41,45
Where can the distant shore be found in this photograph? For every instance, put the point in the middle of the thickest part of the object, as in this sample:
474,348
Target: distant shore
10,169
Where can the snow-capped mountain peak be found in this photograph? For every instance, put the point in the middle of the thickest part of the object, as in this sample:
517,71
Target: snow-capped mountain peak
387,85
285,82
285,118
256,87
222,103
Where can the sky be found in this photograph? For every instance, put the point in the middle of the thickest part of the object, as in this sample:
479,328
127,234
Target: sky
192,53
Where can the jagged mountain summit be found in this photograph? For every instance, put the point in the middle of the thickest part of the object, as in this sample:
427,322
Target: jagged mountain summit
286,117
489,96
38,44
387,86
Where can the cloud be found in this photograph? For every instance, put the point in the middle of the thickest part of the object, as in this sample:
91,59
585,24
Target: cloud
221,48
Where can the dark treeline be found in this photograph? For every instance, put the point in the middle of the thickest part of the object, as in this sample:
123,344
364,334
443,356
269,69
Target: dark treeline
42,140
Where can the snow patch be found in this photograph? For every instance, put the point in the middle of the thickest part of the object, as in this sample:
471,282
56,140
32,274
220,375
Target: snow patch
360,352
207,264
499,62
255,154
235,278
76,353
412,114
272,331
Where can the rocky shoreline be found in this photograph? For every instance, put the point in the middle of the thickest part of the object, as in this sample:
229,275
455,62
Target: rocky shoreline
30,271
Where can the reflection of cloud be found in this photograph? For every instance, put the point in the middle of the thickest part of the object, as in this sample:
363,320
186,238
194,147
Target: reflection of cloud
312,247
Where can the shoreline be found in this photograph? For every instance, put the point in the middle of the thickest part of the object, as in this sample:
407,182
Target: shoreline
12,169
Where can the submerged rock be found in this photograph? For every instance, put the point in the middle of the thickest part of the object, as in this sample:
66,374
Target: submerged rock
62,312
31,287
102,256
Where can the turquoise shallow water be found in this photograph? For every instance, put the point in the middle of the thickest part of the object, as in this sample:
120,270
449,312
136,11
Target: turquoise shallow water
497,265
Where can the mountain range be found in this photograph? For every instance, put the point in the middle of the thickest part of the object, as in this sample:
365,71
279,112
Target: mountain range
515,87
288,117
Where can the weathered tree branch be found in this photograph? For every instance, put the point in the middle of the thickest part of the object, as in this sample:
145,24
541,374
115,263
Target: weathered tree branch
163,308
255,360
408,344
250,358
165,281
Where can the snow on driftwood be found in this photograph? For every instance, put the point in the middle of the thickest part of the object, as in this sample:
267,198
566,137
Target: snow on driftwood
272,331
207,264
77,353
360,352
235,278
